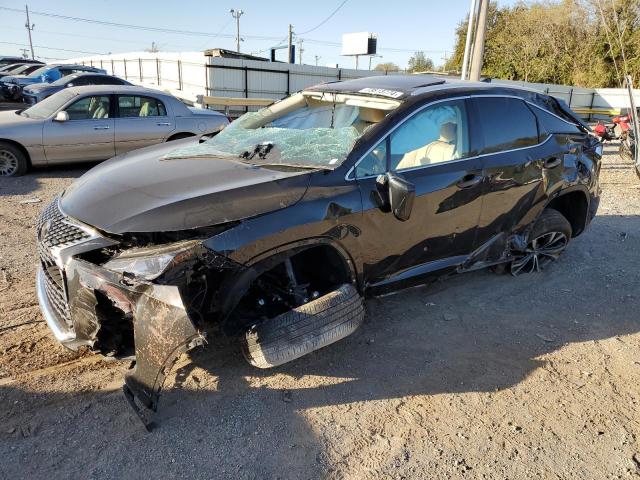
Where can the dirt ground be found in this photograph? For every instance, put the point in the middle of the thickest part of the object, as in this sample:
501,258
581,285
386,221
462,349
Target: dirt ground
476,376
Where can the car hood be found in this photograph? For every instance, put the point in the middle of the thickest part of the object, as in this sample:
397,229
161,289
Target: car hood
40,87
143,192
10,118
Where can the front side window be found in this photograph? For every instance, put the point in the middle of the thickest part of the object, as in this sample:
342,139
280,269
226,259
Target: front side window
138,106
374,163
506,124
89,108
437,134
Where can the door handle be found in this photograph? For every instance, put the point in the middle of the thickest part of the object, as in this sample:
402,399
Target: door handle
102,127
163,123
470,180
552,162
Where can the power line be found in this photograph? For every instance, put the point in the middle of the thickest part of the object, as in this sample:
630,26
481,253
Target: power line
51,48
136,27
326,19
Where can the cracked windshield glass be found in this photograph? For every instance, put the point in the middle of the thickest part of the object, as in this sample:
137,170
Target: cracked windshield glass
299,131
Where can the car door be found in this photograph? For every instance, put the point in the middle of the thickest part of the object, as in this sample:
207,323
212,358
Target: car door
88,134
514,162
142,121
431,151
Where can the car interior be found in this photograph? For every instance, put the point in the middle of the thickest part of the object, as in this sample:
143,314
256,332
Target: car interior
138,106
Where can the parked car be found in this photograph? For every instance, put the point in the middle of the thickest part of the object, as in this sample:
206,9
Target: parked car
275,229
18,69
11,86
11,60
92,123
32,94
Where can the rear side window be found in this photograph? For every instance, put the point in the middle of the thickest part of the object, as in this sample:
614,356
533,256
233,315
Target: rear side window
505,123
552,124
104,80
137,106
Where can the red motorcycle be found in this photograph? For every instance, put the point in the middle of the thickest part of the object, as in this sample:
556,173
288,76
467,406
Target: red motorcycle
621,125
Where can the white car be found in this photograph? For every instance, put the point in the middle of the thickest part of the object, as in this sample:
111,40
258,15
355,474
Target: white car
94,123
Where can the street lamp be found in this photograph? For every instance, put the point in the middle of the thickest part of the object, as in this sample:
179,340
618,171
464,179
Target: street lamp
237,14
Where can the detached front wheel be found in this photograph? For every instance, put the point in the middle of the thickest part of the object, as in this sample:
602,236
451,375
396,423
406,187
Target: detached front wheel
548,239
304,329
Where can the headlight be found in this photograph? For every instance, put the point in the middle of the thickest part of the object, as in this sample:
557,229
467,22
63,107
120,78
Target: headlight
150,262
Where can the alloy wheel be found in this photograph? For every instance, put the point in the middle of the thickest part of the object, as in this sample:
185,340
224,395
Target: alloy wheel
8,163
540,250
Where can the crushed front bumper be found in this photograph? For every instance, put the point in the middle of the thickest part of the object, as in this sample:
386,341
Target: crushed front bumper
70,290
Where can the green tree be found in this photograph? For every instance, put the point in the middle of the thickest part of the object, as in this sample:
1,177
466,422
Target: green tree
419,62
387,67
588,43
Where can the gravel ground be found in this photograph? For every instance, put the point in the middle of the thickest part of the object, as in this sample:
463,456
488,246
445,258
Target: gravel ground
476,376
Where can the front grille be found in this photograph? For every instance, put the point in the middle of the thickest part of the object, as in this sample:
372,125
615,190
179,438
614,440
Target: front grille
54,232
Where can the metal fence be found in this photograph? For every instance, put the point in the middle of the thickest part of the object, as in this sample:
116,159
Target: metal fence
189,74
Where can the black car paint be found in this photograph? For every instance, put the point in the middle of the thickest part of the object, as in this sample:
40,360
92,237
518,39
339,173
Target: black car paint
35,93
266,214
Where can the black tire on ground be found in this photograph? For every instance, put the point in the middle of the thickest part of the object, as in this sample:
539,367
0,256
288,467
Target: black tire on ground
304,329
13,161
552,233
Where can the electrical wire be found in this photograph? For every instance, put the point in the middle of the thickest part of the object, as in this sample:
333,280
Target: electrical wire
135,27
52,48
325,20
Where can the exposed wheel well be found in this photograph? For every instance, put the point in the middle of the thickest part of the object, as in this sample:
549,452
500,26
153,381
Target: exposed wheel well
574,207
288,280
178,136
18,146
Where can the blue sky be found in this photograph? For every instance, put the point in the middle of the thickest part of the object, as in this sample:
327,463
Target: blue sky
402,26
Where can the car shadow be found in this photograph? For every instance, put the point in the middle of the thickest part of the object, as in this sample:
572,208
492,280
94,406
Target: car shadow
475,332
37,177
478,332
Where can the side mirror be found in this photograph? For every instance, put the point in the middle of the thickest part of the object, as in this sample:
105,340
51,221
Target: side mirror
61,116
401,196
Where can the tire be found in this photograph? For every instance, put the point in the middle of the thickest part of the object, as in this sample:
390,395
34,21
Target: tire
13,161
548,239
304,329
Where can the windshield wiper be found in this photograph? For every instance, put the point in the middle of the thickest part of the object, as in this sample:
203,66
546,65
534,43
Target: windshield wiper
261,150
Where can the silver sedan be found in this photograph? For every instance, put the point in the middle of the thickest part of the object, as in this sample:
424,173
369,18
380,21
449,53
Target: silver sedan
95,123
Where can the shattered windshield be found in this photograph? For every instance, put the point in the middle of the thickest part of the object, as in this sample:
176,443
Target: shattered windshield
298,131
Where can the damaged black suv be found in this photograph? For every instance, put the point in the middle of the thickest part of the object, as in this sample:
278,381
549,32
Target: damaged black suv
275,229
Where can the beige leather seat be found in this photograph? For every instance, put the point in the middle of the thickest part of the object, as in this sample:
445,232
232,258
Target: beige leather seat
147,109
440,150
102,110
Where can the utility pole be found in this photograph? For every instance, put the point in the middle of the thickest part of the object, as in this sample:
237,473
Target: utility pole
317,57
300,52
289,59
478,45
29,26
237,14
444,58
467,43
24,52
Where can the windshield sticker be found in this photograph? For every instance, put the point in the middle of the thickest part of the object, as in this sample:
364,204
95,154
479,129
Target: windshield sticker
381,92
